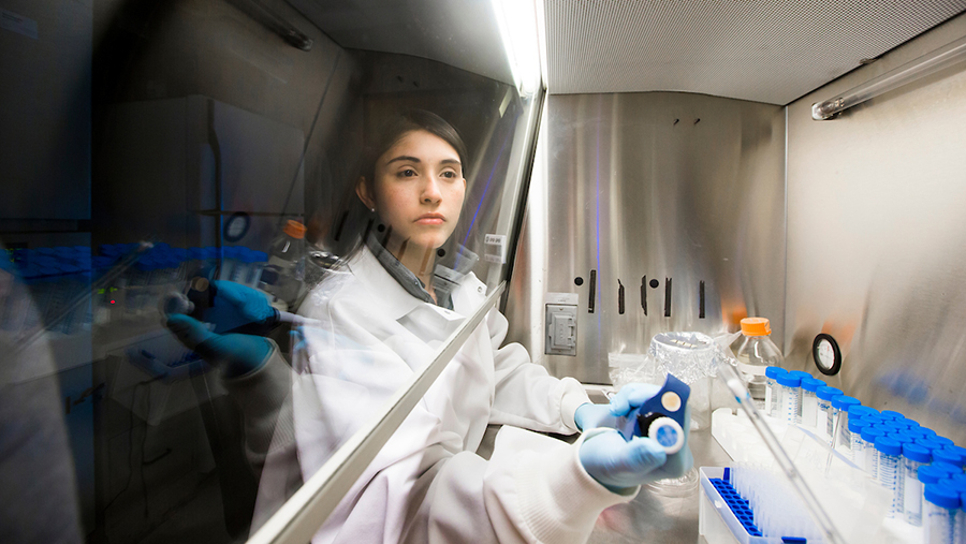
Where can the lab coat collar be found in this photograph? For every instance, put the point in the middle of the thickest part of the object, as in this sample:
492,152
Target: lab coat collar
397,302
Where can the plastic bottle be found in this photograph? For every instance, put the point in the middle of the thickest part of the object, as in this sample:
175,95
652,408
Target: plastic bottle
839,417
755,353
913,458
284,274
941,505
889,474
791,398
825,396
958,486
857,445
869,435
810,401
772,389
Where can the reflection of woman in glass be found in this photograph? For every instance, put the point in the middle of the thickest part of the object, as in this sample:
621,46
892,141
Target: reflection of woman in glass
384,319
375,322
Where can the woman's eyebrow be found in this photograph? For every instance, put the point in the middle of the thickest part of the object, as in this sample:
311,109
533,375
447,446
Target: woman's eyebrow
403,158
450,161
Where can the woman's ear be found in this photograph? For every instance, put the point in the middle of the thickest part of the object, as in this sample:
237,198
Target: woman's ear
363,192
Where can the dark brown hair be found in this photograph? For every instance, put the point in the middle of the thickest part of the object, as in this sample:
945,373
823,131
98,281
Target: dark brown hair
395,128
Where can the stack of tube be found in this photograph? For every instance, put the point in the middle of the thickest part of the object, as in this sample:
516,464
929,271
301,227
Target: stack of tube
923,472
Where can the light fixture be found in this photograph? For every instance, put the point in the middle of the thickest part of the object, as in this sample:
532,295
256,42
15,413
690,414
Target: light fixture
517,21
930,63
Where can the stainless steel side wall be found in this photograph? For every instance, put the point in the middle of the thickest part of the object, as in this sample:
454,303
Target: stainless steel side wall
877,238
664,185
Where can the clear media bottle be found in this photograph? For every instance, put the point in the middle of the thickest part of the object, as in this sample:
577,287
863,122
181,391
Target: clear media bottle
913,458
284,274
939,523
755,353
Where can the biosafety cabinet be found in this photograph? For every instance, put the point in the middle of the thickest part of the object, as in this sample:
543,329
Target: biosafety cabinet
634,168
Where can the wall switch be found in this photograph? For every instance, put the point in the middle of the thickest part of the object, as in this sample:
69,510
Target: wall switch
561,323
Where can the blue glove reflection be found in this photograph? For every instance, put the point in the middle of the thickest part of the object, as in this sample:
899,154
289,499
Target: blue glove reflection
234,354
239,308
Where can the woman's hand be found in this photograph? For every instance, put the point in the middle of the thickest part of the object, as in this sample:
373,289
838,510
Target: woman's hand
617,463
590,416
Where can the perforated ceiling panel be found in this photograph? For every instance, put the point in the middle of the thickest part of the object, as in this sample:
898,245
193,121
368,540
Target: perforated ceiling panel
765,51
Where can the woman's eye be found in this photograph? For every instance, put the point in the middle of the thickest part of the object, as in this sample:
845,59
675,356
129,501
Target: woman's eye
408,173
449,174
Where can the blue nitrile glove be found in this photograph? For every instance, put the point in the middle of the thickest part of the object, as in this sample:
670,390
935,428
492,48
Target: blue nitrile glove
618,464
234,354
590,416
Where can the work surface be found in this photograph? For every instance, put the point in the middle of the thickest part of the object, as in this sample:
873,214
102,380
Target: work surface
657,516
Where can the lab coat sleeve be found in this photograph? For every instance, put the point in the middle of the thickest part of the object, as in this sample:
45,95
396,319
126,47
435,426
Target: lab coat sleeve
533,490
526,395
264,397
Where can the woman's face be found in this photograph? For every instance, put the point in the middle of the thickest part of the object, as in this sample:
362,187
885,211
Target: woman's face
418,189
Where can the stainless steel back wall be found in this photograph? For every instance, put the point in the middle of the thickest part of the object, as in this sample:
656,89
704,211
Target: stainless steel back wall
876,238
680,188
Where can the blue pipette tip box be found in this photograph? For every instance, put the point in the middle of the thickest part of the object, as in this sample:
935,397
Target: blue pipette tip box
734,513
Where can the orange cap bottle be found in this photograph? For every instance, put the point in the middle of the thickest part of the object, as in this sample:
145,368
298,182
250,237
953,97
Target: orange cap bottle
755,326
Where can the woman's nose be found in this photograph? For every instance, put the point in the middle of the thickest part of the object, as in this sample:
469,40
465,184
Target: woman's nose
431,193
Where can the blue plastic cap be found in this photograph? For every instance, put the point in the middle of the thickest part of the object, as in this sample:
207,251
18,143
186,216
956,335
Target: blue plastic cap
942,496
788,380
861,411
947,455
873,418
949,469
930,474
892,414
888,446
812,384
957,485
916,452
870,433
774,371
901,438
926,431
843,402
802,375
957,449
856,424
828,393
911,423
942,440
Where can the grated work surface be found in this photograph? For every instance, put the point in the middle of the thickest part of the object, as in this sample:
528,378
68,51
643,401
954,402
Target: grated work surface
764,51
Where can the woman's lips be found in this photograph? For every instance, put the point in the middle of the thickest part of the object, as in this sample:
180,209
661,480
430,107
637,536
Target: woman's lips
430,219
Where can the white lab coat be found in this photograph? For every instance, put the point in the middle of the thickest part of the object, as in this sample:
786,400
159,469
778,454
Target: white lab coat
427,484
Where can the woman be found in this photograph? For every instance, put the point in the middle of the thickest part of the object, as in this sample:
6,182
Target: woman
379,319
427,483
